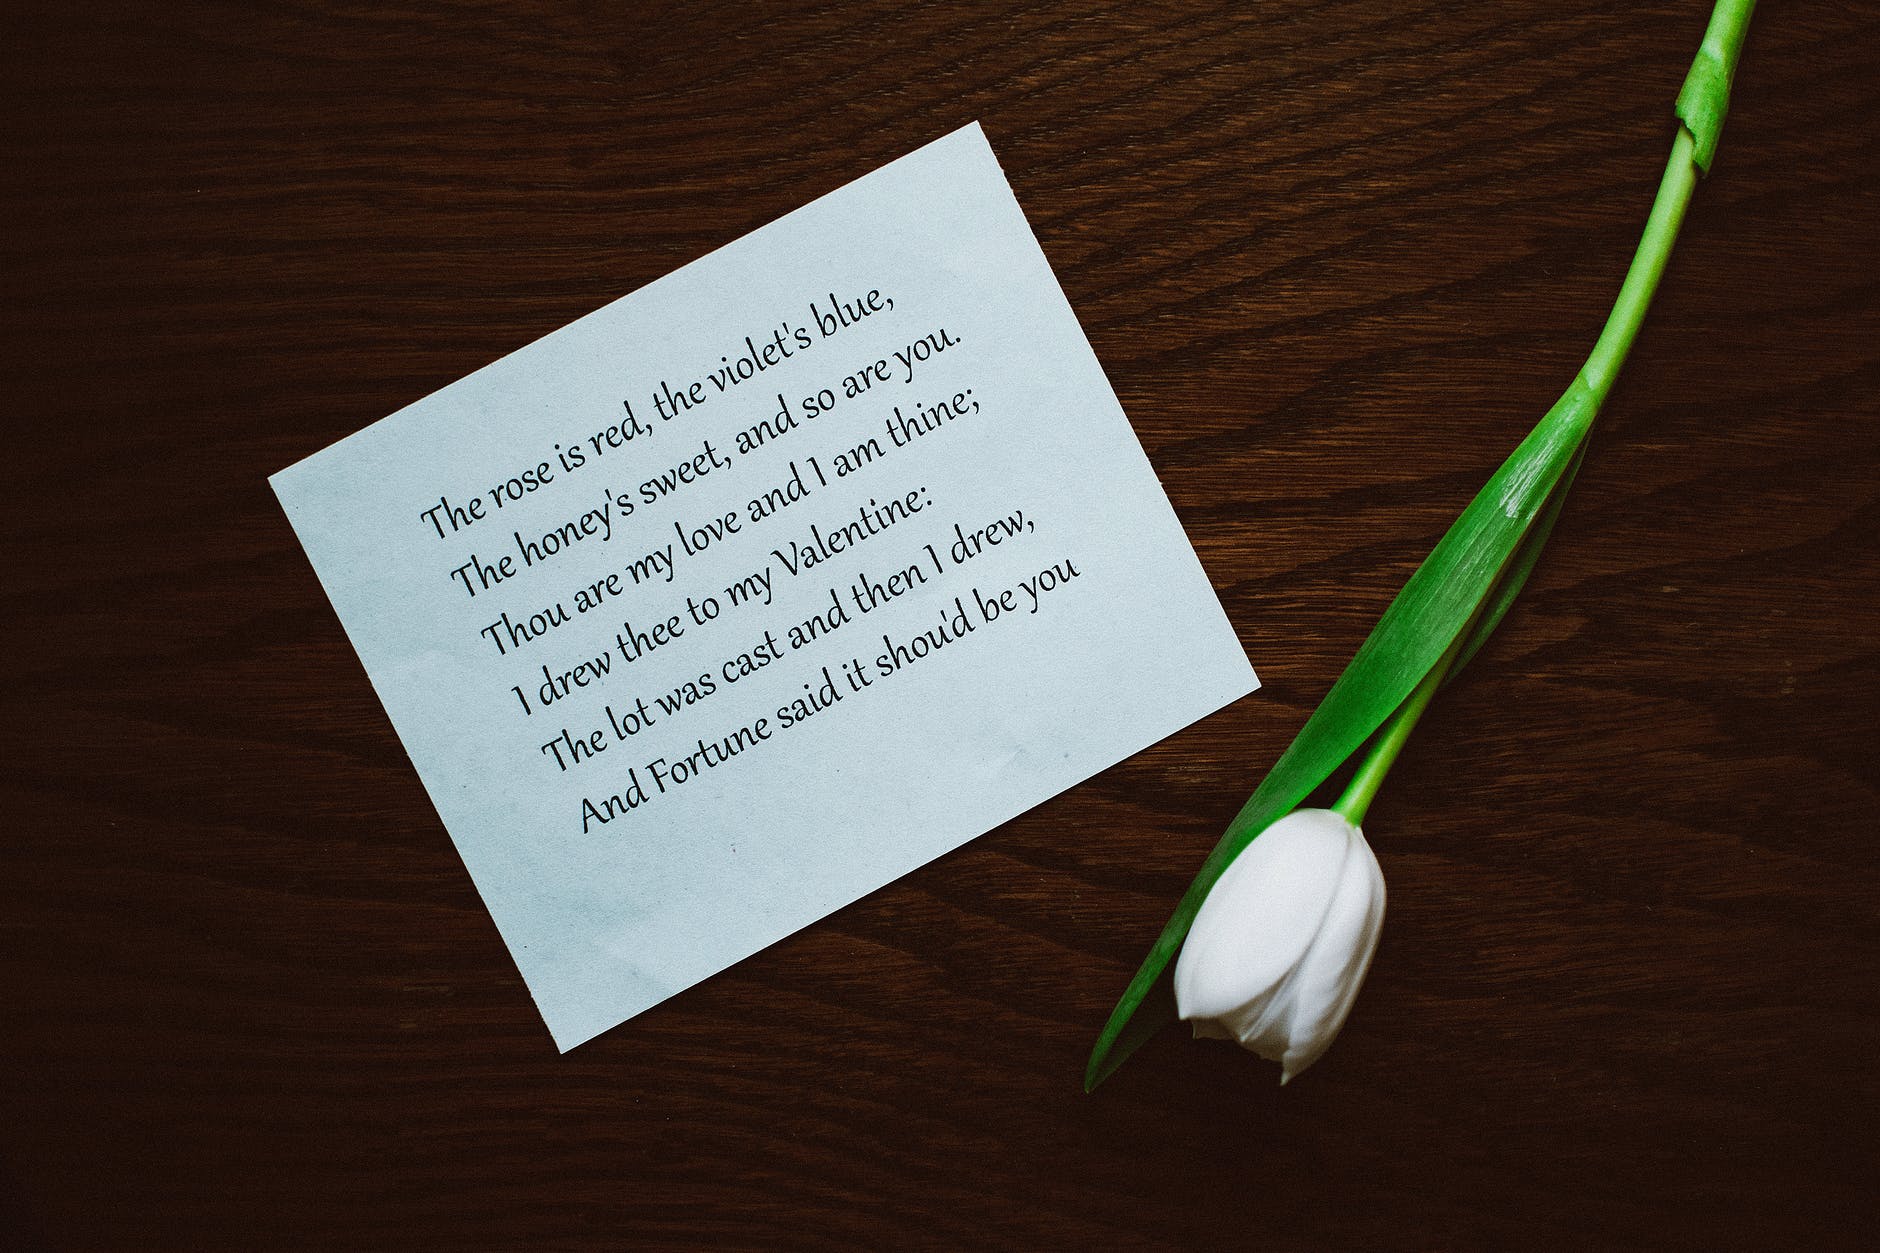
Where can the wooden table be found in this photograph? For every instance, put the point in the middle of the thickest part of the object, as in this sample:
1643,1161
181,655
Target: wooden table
1336,256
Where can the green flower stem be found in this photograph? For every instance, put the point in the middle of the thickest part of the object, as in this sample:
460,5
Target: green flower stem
1704,100
1598,375
1390,741
1648,266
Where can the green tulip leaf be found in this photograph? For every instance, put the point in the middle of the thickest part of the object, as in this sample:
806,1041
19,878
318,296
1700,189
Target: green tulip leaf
1516,576
1433,609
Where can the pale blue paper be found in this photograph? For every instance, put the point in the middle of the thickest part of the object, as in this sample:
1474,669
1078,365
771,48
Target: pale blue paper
606,924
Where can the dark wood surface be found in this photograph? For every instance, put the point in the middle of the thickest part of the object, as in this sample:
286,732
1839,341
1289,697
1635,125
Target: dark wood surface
1336,256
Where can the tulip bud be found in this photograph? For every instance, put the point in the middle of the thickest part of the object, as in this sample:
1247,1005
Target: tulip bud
1281,945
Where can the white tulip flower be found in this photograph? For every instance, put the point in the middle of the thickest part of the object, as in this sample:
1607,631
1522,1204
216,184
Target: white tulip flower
1275,945
1282,942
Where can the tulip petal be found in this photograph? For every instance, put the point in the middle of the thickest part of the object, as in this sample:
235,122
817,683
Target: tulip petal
1325,985
1260,920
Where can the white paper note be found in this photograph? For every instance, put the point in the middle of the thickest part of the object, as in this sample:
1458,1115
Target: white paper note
754,590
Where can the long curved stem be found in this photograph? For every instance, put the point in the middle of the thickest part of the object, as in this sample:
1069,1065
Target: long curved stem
1648,266
1390,740
1599,373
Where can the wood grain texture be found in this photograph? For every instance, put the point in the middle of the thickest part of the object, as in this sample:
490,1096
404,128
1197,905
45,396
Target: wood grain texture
1335,255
